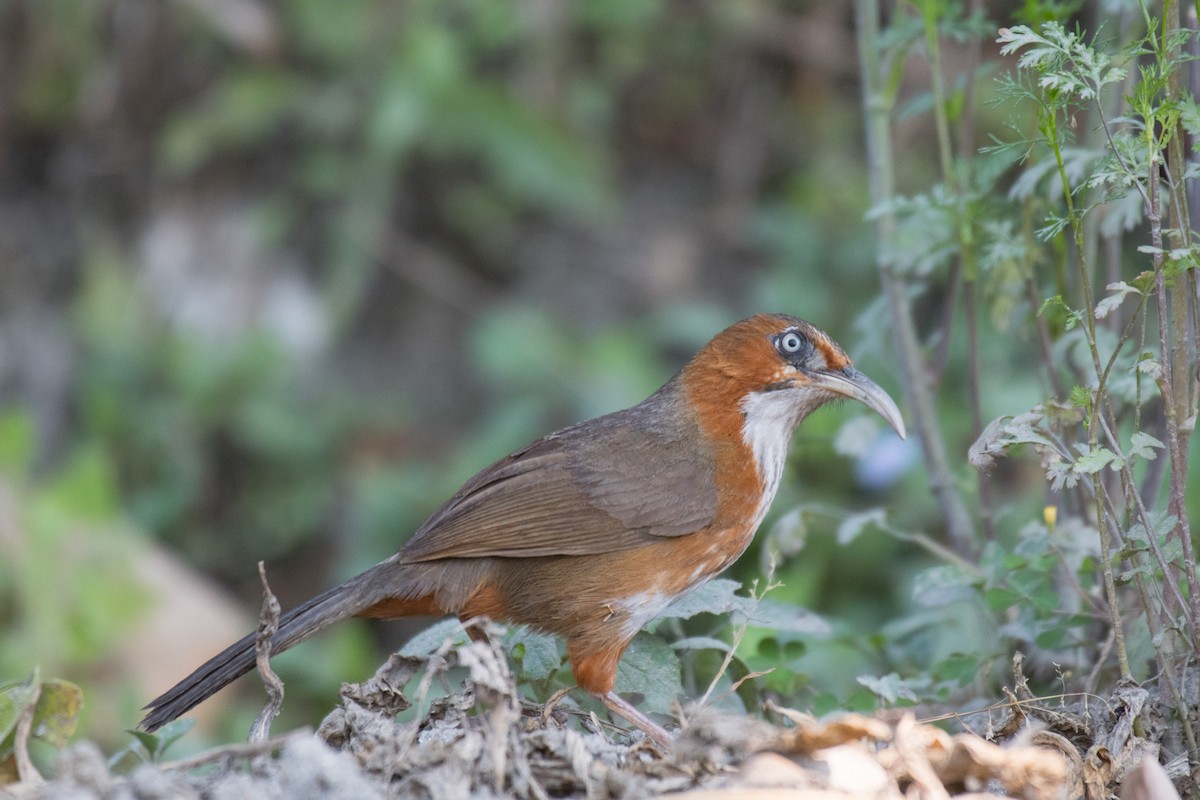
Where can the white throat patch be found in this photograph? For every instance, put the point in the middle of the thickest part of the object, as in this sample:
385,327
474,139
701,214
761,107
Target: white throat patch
770,420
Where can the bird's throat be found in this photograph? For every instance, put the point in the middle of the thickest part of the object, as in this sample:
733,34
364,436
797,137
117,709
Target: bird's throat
769,420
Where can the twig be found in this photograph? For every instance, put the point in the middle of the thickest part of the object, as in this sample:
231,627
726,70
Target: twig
1151,534
436,663
1012,702
548,709
1107,535
26,771
231,751
1093,678
933,548
738,635
268,624
749,676
1043,332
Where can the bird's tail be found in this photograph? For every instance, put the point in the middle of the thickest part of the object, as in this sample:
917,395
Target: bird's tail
352,598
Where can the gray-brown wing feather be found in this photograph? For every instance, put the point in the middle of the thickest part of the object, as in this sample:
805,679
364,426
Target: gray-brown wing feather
609,484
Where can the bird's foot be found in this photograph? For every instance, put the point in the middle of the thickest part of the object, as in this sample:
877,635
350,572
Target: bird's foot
624,708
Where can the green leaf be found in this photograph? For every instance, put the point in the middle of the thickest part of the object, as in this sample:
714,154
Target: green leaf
1126,576
942,585
1061,476
718,596
1014,561
1009,431
1055,308
1143,444
787,617
827,703
1056,637
889,688
789,535
539,657
1121,290
862,700
651,668
57,712
962,668
787,650
148,741
1162,523
1147,364
1018,36
1092,461
1045,599
54,705
700,643
1000,598
15,697
430,639
853,525
154,745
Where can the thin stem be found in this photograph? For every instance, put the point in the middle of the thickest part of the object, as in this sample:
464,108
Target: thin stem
1031,295
933,51
1089,326
1107,533
1143,516
1173,320
877,106
1177,501
986,511
1110,586
959,182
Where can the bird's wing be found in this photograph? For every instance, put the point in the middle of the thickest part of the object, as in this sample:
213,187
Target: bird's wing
610,484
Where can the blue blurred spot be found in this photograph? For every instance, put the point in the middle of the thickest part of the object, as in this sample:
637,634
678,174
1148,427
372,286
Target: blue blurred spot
885,462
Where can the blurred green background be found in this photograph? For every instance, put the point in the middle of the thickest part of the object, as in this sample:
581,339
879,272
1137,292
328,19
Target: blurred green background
275,277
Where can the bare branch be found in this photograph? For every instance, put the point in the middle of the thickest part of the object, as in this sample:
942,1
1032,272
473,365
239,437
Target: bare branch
268,624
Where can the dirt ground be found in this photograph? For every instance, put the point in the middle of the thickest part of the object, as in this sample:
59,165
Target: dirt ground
483,741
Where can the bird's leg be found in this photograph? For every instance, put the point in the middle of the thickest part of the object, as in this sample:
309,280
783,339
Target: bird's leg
595,668
477,634
473,625
624,708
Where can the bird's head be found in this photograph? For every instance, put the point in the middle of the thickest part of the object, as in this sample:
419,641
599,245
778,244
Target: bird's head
762,376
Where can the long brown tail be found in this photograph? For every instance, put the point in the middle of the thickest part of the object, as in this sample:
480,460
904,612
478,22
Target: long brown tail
355,596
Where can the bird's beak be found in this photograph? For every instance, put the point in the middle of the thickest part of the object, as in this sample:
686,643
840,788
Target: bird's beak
851,383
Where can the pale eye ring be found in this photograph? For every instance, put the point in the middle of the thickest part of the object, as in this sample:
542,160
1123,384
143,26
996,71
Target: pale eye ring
790,343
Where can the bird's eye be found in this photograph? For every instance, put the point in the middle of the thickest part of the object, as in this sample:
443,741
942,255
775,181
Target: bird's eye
790,343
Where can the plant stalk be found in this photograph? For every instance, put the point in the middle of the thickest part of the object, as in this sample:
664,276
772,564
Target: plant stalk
877,107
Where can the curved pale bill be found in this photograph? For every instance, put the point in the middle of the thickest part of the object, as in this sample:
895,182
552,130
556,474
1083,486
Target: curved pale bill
857,386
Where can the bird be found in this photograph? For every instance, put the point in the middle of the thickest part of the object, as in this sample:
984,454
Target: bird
590,532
